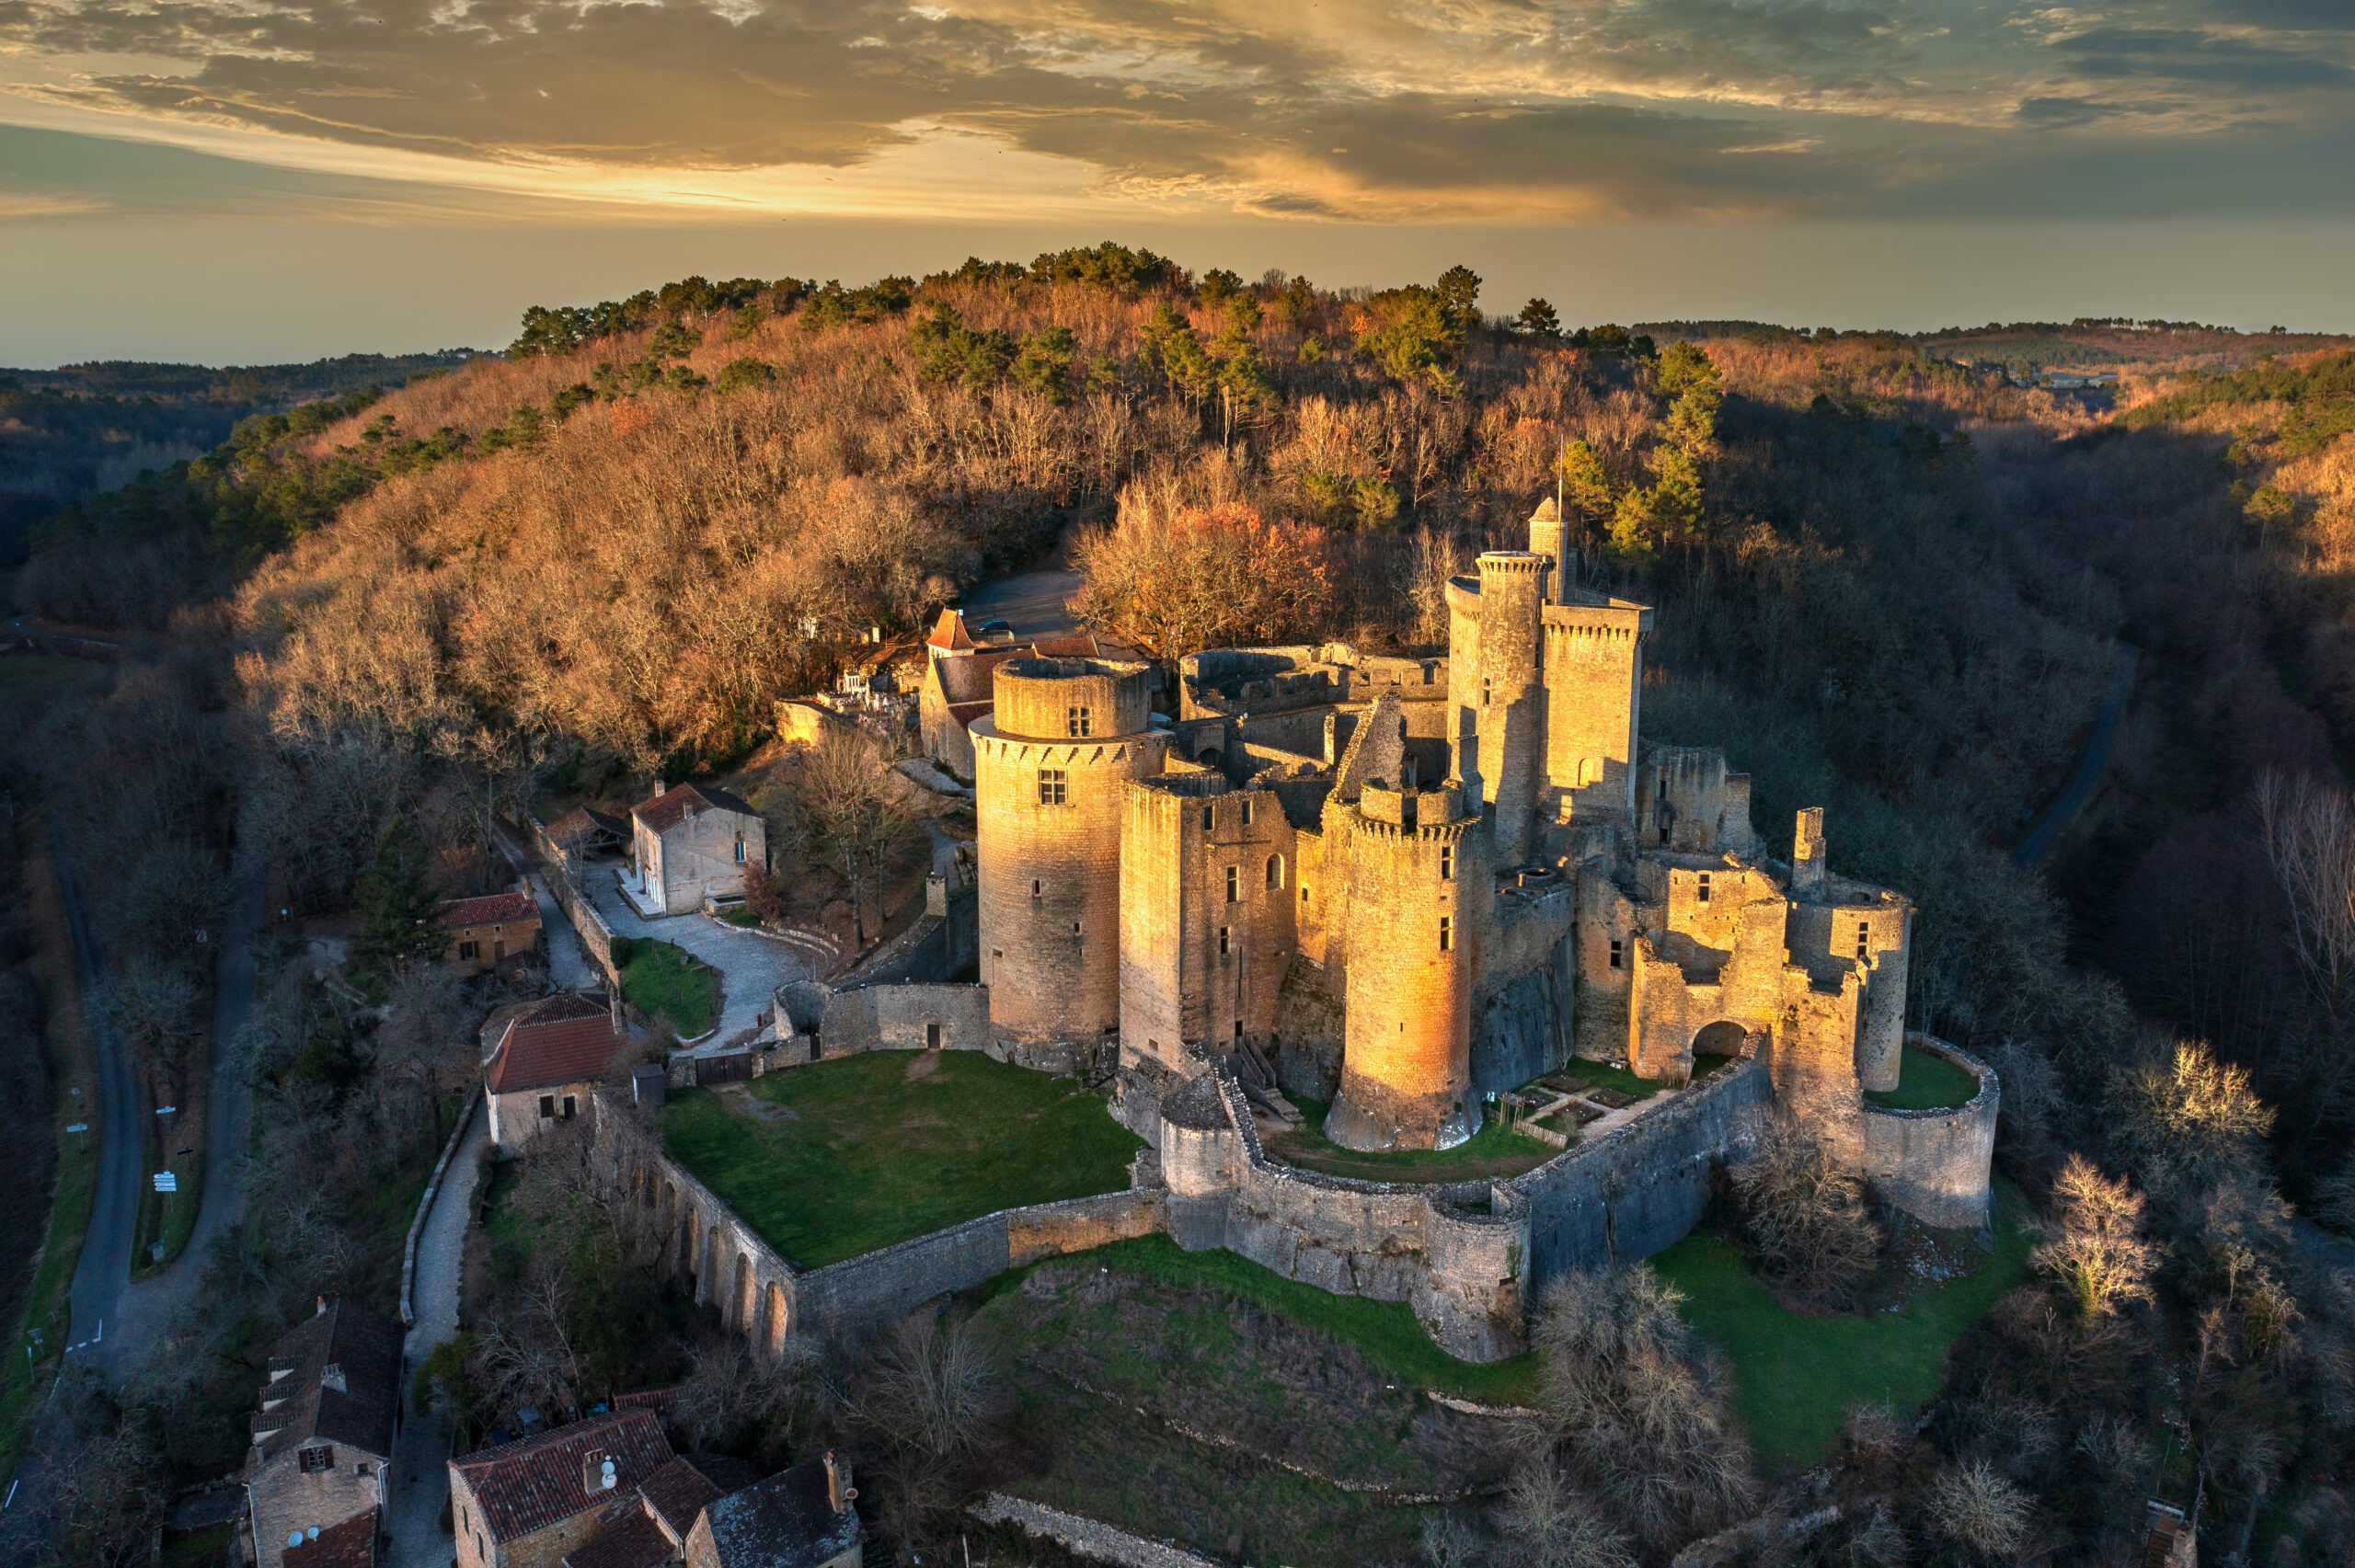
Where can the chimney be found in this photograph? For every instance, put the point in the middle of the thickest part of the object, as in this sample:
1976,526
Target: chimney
838,1491
614,1007
1809,862
323,1308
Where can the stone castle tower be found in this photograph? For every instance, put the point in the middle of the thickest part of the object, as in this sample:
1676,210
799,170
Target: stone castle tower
1049,768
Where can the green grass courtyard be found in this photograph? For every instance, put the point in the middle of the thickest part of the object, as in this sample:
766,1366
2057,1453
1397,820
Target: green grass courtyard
839,1158
665,982
1927,1081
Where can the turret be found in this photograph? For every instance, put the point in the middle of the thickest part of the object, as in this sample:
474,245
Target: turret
1550,536
1050,766
1510,700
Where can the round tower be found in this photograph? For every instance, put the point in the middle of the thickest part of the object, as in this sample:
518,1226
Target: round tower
1509,702
1550,536
1049,767
1419,887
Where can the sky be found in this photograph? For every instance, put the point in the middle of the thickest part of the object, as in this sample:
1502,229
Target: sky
252,180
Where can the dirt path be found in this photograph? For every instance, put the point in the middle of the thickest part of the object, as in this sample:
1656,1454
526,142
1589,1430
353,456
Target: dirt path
420,1479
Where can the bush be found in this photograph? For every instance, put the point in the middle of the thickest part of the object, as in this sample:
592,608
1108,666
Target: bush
1806,1217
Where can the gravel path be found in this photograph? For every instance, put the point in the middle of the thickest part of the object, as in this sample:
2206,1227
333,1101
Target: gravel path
421,1474
751,966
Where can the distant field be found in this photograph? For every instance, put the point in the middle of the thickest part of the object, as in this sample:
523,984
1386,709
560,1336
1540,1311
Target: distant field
839,1158
46,674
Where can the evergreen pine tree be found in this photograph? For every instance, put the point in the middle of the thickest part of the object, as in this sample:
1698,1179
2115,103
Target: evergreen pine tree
398,906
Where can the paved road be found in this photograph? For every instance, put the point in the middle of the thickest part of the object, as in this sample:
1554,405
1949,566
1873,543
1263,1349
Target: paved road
1032,603
420,1482
751,966
147,1308
568,965
2071,800
104,1271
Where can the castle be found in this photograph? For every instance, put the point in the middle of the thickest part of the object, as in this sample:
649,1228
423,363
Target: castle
1416,884
1404,889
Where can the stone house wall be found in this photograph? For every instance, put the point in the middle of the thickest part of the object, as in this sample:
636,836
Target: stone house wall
706,853
285,1500
515,1119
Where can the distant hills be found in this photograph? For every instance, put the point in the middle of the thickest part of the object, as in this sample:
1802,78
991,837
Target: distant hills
80,430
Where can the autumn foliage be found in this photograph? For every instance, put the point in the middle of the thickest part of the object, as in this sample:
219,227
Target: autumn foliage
1176,580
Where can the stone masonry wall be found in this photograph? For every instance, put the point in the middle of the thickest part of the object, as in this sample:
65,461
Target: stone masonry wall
1934,1164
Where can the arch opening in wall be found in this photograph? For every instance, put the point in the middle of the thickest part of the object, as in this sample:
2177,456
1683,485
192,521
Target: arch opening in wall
773,1321
1275,873
1722,1038
689,1232
1211,757
742,1302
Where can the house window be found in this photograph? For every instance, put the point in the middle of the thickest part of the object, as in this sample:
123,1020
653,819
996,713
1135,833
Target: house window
315,1461
1447,862
547,1107
1705,887
469,949
1247,811
1616,953
1223,941
1446,934
1051,786
568,1107
1233,884
932,1036
1275,872
740,849
1076,721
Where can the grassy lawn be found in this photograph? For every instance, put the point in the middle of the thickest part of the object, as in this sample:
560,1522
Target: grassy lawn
47,674
1602,1075
1927,1081
1491,1151
839,1158
1385,1333
1797,1375
665,982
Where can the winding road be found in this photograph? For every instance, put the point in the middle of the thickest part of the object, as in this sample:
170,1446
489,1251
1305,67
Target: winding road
421,1475
104,1271
2064,806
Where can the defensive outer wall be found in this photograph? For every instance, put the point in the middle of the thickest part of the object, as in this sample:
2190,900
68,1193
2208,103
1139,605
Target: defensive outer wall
1469,1258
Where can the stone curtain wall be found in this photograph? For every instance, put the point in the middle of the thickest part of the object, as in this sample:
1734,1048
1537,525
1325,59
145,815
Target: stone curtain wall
1934,1164
763,1297
596,935
1626,1195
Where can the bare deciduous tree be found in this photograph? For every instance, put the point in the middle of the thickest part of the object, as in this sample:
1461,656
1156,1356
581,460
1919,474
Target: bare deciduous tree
2094,1247
2309,833
1974,1507
859,817
1806,1216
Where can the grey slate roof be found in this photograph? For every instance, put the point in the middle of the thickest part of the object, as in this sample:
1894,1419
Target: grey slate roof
343,1383
786,1521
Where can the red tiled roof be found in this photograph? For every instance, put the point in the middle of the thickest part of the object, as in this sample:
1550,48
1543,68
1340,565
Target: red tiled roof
565,1039
677,1493
351,1544
492,909
627,1540
949,631
675,805
529,1486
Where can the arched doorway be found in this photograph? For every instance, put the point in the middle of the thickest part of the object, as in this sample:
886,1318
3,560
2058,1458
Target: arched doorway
1724,1039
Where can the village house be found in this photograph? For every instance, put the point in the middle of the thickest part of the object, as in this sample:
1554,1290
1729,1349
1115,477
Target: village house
534,1503
351,1544
689,843
584,832
486,931
323,1433
800,1518
544,1060
957,688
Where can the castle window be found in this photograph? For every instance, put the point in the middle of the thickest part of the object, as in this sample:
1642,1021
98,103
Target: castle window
1038,889
1864,940
1485,684
1617,955
1446,934
1223,942
1238,1030
1705,887
1233,884
1051,786
1077,720
1275,872
1247,811
1303,892
1447,862
1210,818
